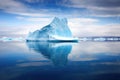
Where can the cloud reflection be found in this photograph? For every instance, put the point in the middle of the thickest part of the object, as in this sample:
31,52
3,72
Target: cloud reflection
89,51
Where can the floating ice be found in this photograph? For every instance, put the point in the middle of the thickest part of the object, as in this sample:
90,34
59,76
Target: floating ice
6,39
57,30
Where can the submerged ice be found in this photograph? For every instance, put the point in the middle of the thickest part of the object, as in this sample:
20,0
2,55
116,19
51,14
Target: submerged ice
57,30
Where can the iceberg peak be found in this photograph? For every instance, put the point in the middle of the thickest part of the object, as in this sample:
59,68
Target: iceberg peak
59,21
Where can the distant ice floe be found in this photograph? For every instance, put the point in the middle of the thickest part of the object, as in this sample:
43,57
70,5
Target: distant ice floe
5,39
99,38
93,39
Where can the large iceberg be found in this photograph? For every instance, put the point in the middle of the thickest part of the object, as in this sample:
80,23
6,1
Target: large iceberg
57,30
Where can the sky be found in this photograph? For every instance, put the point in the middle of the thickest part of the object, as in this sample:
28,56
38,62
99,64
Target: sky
85,17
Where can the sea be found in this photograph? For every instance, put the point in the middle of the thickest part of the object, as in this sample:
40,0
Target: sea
83,60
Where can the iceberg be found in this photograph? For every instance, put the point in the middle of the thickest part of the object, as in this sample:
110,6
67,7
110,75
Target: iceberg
57,30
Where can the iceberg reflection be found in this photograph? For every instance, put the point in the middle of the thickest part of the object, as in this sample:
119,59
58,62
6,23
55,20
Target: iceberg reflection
56,52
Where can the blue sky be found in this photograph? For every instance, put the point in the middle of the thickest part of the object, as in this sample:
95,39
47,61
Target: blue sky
85,17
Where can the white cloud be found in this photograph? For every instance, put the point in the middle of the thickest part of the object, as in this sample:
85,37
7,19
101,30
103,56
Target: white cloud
31,14
12,6
47,20
33,1
101,8
24,29
36,19
17,7
83,20
89,27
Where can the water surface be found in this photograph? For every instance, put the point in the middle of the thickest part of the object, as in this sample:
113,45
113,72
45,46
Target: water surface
59,61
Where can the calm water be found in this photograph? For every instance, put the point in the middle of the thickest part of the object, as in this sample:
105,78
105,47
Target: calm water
60,61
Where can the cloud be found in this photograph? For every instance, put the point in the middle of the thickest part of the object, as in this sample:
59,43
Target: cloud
19,8
18,31
89,27
36,19
33,1
12,6
94,3
30,14
39,19
101,8
83,20
79,26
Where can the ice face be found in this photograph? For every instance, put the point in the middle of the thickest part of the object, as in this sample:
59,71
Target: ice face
58,27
